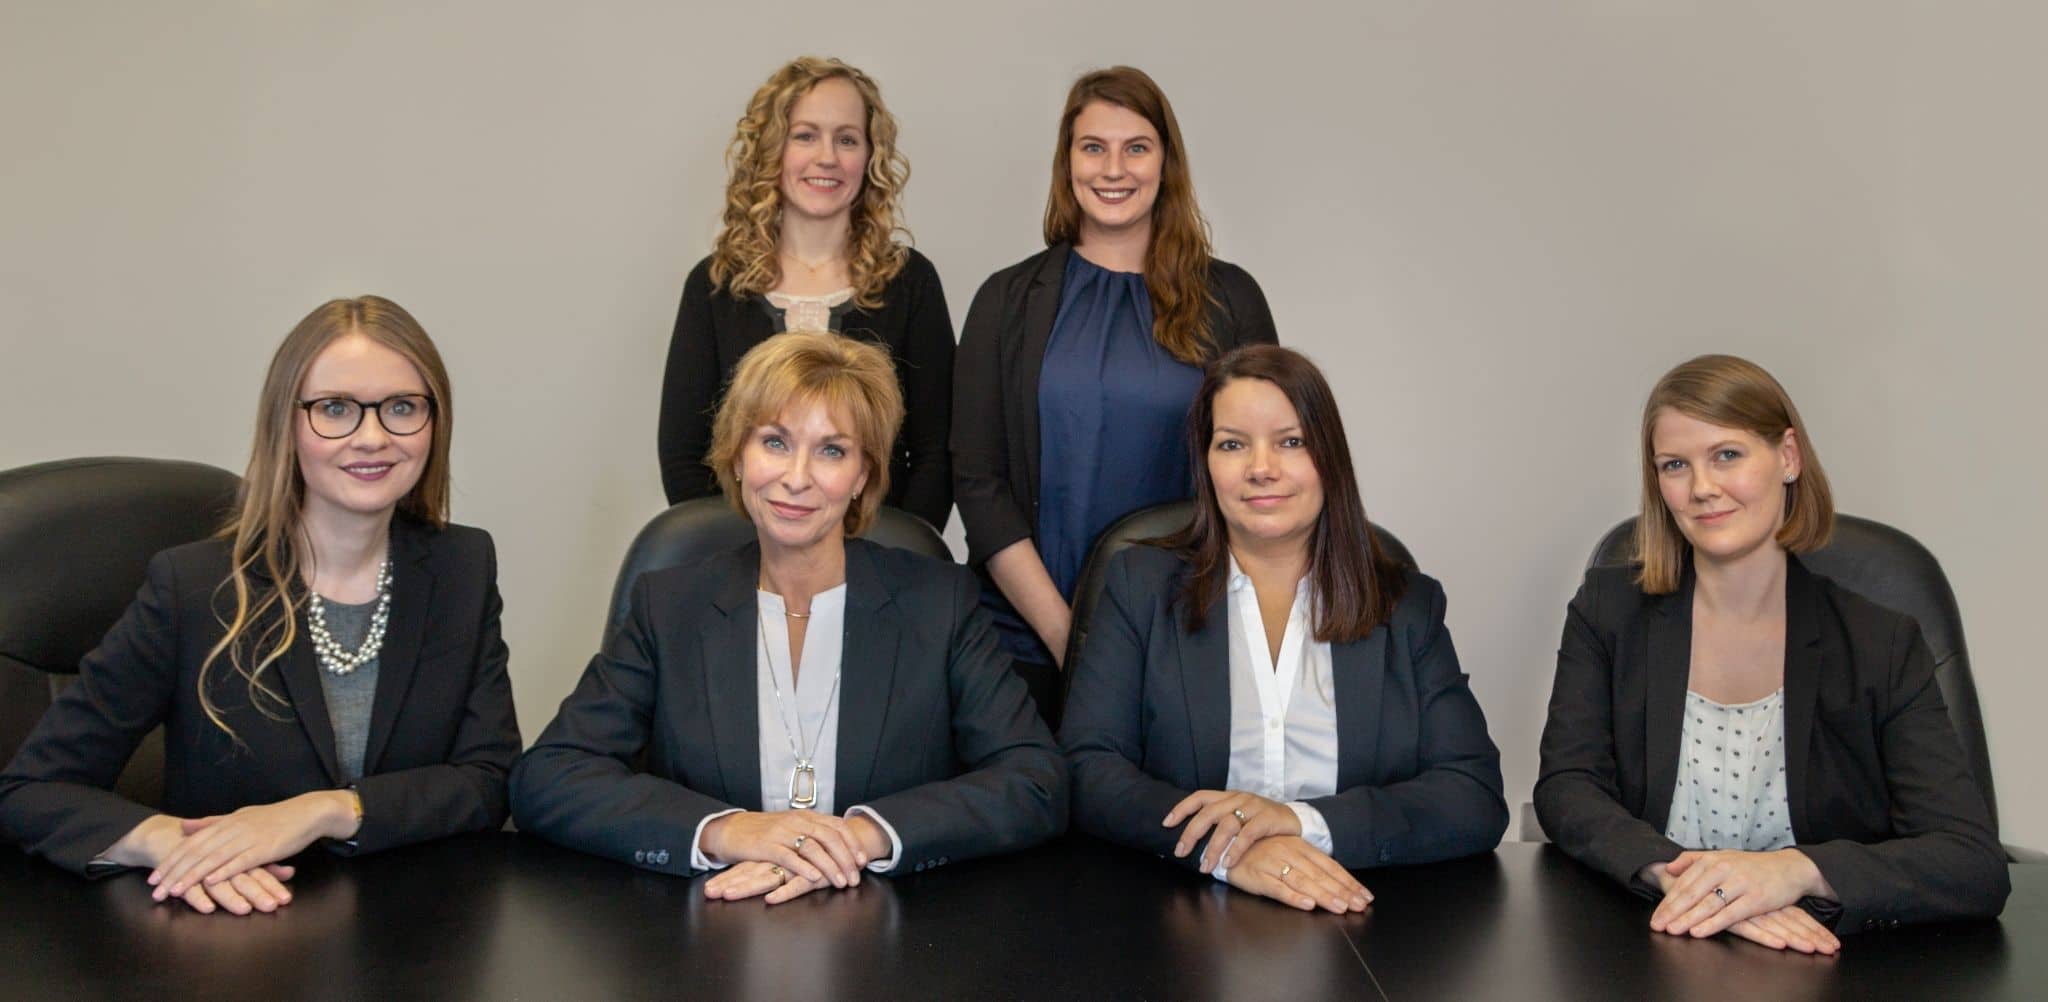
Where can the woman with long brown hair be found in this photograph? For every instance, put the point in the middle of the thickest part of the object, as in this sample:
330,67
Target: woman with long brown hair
1854,808
1077,364
277,655
1267,696
810,241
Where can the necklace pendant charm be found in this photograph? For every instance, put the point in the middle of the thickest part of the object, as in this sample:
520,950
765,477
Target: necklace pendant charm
803,785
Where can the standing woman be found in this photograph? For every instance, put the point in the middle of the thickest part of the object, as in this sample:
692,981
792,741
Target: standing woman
1077,364
1752,746
1267,696
329,667
809,243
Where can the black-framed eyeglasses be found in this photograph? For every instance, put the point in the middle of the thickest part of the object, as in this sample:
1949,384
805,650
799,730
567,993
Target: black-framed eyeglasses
339,417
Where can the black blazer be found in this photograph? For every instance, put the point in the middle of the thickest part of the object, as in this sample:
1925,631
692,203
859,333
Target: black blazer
714,328
936,733
995,389
442,728
1881,797
1148,722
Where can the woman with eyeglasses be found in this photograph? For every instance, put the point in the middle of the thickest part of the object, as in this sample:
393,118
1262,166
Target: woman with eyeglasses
328,668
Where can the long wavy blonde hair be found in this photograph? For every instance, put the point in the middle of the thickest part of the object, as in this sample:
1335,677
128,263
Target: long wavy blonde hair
1177,262
744,260
261,617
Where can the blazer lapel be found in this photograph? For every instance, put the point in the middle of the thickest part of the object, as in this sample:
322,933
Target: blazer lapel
1041,308
1667,659
868,656
1360,678
1205,681
1803,665
300,670
727,658
412,600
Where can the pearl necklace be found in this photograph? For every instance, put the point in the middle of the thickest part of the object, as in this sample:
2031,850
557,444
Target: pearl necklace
335,658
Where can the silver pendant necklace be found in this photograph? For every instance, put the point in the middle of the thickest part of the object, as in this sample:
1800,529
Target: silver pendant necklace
335,658
803,776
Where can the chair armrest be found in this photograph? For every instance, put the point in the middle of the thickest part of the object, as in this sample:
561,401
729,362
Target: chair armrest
2022,854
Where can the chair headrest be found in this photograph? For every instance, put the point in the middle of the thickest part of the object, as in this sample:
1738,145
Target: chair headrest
76,537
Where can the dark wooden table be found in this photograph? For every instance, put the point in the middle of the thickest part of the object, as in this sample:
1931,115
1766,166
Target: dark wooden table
508,917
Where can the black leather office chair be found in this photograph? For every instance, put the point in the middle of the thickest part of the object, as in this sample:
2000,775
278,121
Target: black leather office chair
1150,523
1892,569
696,529
75,538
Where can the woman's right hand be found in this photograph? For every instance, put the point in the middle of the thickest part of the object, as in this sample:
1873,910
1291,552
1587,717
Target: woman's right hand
819,847
260,889
1289,870
1019,573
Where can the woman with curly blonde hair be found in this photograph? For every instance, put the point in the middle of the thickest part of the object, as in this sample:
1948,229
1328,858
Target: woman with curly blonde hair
809,242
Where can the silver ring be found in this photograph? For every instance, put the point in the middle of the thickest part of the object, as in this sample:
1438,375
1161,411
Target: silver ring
1723,895
1286,868
800,842
1238,813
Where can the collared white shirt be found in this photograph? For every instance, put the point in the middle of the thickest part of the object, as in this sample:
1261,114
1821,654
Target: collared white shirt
806,712
1283,713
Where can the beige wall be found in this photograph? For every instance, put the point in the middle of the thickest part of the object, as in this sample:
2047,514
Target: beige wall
1495,223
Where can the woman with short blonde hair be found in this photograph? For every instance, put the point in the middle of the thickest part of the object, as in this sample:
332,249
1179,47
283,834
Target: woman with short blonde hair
810,706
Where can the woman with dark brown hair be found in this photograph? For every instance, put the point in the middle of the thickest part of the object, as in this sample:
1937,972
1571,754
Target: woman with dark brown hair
1266,695
1076,365
1749,744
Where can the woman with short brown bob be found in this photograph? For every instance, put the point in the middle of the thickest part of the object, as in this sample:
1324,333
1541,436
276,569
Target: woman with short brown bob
1267,696
809,706
1758,749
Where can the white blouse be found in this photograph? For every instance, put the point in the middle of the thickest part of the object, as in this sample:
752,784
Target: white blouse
1730,792
1283,714
800,708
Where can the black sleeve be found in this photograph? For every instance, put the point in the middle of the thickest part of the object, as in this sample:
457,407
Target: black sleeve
578,785
1103,730
690,387
981,452
56,797
467,791
927,376
1577,796
1011,792
1245,302
1453,806
1944,861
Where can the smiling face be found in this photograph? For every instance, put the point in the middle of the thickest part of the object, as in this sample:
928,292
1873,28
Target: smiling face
1114,166
1725,487
825,157
368,472
797,474
1267,486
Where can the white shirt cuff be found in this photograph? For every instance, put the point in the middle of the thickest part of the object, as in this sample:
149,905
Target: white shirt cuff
1314,830
1222,872
699,861
895,843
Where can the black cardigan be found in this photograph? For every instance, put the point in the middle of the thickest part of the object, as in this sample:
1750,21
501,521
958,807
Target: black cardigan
1881,796
442,729
995,391
714,328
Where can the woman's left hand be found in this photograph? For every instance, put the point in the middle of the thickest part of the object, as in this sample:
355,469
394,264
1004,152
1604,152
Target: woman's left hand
756,877
1711,891
1230,815
216,848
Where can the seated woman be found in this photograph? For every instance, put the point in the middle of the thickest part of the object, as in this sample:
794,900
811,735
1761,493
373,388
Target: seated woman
290,660
896,736
1267,695
1751,745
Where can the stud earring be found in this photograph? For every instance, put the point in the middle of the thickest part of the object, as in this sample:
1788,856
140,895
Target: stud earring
1790,477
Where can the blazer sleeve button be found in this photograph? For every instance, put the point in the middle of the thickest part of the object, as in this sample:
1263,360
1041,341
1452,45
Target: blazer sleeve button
639,855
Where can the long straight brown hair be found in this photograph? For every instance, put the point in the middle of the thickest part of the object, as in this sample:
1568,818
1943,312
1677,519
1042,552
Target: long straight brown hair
262,618
1354,582
1177,260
